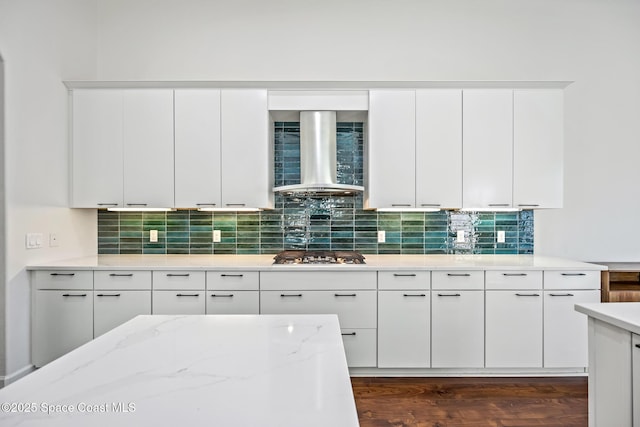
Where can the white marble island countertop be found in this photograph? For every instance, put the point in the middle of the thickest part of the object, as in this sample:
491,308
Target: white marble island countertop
281,370
265,263
625,315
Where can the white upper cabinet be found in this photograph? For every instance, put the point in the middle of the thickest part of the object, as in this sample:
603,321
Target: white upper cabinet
391,149
197,148
246,149
96,148
487,160
148,148
438,148
538,148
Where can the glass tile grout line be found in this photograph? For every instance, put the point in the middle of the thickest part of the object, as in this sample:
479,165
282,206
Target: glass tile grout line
330,223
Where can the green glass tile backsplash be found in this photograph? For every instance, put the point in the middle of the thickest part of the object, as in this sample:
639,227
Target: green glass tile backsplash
327,223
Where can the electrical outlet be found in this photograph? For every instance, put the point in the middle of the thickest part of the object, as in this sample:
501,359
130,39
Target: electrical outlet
460,236
153,236
500,236
217,237
53,240
382,236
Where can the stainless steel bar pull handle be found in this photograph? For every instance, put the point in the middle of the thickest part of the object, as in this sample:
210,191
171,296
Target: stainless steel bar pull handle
514,274
178,275
232,275
344,295
206,204
401,205
62,274
561,295
236,204
404,275
74,295
222,295
449,295
458,274
528,205
499,205
574,274
349,333
290,295
108,295
121,275
107,204
430,205
527,295
187,295
136,204
414,295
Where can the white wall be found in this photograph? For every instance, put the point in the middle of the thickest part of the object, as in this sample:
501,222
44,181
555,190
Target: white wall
42,42
592,42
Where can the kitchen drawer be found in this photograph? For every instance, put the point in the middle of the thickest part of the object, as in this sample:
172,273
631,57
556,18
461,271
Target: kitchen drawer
513,280
233,302
317,280
63,279
233,280
355,309
176,280
360,347
123,280
178,302
572,280
404,280
463,280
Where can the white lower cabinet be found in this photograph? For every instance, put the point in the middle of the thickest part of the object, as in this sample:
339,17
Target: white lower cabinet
565,330
178,292
233,302
63,320
113,308
359,347
635,371
457,329
513,329
404,329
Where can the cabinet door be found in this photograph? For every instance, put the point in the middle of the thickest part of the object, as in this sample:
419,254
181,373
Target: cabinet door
439,148
113,308
63,320
392,149
148,148
404,329
96,148
565,330
178,302
537,148
197,148
359,347
457,329
246,149
635,368
233,302
513,329
487,148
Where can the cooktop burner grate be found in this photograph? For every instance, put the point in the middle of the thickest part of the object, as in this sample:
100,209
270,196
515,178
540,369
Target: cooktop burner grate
319,257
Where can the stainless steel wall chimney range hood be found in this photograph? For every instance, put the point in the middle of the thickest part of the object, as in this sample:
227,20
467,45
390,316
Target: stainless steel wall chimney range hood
318,157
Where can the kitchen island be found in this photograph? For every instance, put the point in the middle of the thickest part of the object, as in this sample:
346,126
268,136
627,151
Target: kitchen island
614,363
278,370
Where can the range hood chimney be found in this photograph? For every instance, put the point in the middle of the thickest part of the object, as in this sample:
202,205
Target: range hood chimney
318,154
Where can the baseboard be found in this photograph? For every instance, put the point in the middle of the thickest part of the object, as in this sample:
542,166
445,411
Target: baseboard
8,379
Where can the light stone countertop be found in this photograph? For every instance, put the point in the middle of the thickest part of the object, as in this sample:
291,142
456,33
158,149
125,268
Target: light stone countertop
265,263
268,370
625,315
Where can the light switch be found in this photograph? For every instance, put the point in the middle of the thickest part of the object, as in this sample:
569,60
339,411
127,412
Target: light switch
33,240
153,236
460,236
500,236
216,236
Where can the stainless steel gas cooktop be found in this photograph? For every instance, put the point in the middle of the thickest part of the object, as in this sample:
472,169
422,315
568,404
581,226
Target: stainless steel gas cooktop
319,257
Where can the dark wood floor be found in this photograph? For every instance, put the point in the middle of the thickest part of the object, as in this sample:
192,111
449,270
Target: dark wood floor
477,402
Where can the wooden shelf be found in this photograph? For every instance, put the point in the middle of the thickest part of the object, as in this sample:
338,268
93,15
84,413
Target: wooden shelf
621,286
